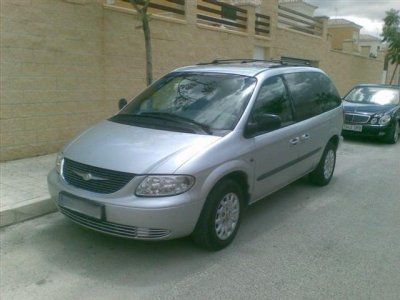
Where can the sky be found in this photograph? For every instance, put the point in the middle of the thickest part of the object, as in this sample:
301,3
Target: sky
367,13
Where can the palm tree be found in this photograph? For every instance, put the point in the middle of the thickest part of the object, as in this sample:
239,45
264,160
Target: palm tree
391,35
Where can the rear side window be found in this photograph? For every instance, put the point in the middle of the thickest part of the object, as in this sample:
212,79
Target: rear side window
273,99
313,93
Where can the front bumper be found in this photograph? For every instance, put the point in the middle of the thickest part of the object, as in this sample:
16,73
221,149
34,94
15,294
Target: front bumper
369,131
129,216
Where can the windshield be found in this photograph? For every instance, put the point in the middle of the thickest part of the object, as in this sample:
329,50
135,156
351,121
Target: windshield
213,100
374,95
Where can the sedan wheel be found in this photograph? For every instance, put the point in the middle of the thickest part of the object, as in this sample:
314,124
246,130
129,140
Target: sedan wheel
396,133
393,135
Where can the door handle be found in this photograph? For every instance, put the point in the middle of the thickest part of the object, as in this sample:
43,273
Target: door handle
294,141
305,136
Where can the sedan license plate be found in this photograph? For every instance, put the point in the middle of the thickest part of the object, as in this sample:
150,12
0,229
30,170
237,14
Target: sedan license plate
357,128
82,206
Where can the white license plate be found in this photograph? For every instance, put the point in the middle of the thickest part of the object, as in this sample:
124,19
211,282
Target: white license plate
357,128
82,206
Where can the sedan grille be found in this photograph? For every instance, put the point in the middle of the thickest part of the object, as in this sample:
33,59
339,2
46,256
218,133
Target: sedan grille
356,118
114,228
94,179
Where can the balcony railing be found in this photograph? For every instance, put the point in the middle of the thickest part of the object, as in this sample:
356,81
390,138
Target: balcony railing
295,20
220,14
263,25
169,8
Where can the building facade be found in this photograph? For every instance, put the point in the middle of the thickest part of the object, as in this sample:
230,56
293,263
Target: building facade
344,35
372,45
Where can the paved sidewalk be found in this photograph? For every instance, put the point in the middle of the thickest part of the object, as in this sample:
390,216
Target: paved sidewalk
23,189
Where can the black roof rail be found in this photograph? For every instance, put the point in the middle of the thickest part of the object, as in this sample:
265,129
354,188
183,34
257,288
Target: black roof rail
279,62
237,60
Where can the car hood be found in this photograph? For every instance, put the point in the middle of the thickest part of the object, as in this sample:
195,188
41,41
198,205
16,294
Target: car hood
369,109
135,149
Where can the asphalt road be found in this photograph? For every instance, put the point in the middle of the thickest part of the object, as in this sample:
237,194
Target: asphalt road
341,241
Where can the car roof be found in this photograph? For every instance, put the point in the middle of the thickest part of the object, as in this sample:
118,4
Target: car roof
246,68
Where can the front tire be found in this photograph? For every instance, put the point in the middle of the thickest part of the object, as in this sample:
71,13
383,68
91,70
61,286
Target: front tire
393,135
221,215
322,175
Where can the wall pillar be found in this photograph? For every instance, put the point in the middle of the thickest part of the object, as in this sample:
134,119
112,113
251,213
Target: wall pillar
324,21
191,11
250,6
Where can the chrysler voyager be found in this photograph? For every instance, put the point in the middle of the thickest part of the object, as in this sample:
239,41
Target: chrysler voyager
188,154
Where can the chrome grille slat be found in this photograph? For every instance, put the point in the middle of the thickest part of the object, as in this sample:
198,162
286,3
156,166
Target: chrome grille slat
100,224
354,118
102,175
111,176
115,180
108,182
113,228
98,227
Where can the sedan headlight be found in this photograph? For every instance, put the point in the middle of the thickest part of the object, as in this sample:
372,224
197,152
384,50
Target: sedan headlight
59,163
374,121
164,185
384,120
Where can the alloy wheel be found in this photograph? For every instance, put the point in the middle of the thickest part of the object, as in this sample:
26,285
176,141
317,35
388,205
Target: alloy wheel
329,164
227,216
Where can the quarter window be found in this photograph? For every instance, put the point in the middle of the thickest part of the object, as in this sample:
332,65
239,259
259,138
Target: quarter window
313,93
273,99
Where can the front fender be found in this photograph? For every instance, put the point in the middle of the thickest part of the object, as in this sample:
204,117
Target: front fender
225,169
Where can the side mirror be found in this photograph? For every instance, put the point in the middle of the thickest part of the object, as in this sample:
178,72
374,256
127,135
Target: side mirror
122,103
263,123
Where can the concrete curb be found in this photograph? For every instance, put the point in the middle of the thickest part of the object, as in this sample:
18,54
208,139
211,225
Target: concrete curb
26,210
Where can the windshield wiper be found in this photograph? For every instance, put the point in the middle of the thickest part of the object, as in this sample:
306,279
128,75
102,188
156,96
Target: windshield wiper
175,118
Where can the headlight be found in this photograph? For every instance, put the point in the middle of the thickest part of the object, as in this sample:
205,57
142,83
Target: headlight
164,185
384,120
59,163
374,121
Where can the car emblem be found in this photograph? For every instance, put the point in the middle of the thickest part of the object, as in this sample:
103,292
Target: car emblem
88,176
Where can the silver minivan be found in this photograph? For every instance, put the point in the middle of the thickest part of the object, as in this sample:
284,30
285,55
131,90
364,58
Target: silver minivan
187,155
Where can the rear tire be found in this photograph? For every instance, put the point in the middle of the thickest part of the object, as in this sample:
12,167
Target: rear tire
221,215
393,135
322,175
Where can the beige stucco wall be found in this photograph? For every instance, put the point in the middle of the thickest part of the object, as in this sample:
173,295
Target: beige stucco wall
51,74
299,45
65,65
347,70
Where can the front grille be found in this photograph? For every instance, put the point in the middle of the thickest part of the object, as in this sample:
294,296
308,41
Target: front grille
100,180
356,118
113,228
